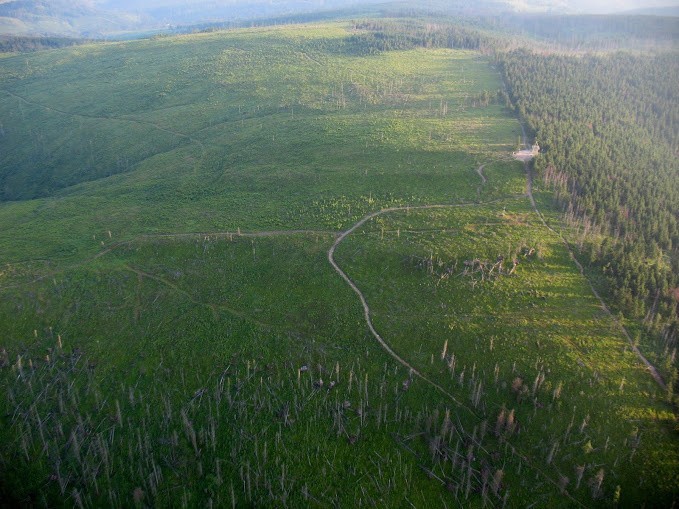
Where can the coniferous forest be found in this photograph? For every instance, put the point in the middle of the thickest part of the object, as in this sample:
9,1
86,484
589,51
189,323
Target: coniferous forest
9,44
609,130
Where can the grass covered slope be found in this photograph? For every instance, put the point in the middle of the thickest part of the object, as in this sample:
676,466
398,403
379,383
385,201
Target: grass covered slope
172,332
185,131
533,342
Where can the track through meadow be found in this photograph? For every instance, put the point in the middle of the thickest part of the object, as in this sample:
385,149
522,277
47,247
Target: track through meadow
100,117
529,190
364,303
387,348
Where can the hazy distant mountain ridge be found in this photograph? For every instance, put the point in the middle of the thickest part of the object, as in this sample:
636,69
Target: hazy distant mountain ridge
104,17
593,6
59,17
93,18
98,18
656,11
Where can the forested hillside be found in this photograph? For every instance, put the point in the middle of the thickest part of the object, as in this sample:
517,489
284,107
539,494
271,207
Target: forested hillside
13,44
593,32
609,128
379,35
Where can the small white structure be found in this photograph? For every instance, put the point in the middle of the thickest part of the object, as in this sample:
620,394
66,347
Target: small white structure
526,155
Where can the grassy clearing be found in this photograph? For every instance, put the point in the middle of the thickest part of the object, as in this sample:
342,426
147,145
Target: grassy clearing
535,342
278,131
190,339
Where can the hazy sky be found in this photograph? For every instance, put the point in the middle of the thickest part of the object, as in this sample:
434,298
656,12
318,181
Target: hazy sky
592,6
621,5
577,5
598,6
570,5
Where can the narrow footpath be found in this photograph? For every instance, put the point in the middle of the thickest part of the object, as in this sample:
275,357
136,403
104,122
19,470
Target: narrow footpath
529,190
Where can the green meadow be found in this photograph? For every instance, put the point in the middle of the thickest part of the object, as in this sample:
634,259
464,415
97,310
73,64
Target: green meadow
173,334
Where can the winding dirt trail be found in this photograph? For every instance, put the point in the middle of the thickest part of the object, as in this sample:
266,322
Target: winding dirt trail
149,236
364,302
479,170
236,234
194,300
119,119
529,191
385,346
